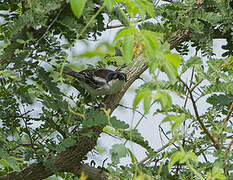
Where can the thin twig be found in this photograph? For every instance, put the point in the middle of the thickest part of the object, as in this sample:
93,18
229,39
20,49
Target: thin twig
55,126
185,103
229,145
228,114
113,136
157,151
170,1
27,131
50,25
161,129
191,89
134,110
197,115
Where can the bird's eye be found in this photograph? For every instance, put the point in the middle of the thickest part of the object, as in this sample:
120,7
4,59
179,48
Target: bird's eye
115,76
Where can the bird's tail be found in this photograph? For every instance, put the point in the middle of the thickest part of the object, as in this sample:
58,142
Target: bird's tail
67,71
72,73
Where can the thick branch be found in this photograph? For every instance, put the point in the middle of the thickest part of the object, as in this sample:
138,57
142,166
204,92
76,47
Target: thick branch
184,35
38,171
180,37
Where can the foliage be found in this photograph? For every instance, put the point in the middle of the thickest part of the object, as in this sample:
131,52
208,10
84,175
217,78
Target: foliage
40,119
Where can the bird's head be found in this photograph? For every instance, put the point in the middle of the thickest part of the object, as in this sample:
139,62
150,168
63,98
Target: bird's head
116,75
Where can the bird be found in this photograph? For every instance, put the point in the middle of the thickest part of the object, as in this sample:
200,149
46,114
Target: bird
99,81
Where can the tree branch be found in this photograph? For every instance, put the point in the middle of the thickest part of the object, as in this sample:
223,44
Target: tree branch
157,151
39,171
197,115
228,114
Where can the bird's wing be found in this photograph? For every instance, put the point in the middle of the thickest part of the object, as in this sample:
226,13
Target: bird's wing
88,77
101,73
95,78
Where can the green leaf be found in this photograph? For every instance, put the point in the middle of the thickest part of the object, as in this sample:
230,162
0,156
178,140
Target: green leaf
11,161
175,121
117,124
109,4
193,60
147,100
164,99
103,49
133,158
127,47
134,136
144,7
118,151
124,32
110,131
137,100
219,175
77,7
95,118
146,95
175,157
65,46
172,62
191,156
217,171
99,149
20,41
68,142
91,54
151,42
10,74
149,7
221,100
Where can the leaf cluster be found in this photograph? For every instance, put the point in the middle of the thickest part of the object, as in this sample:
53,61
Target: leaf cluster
204,19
